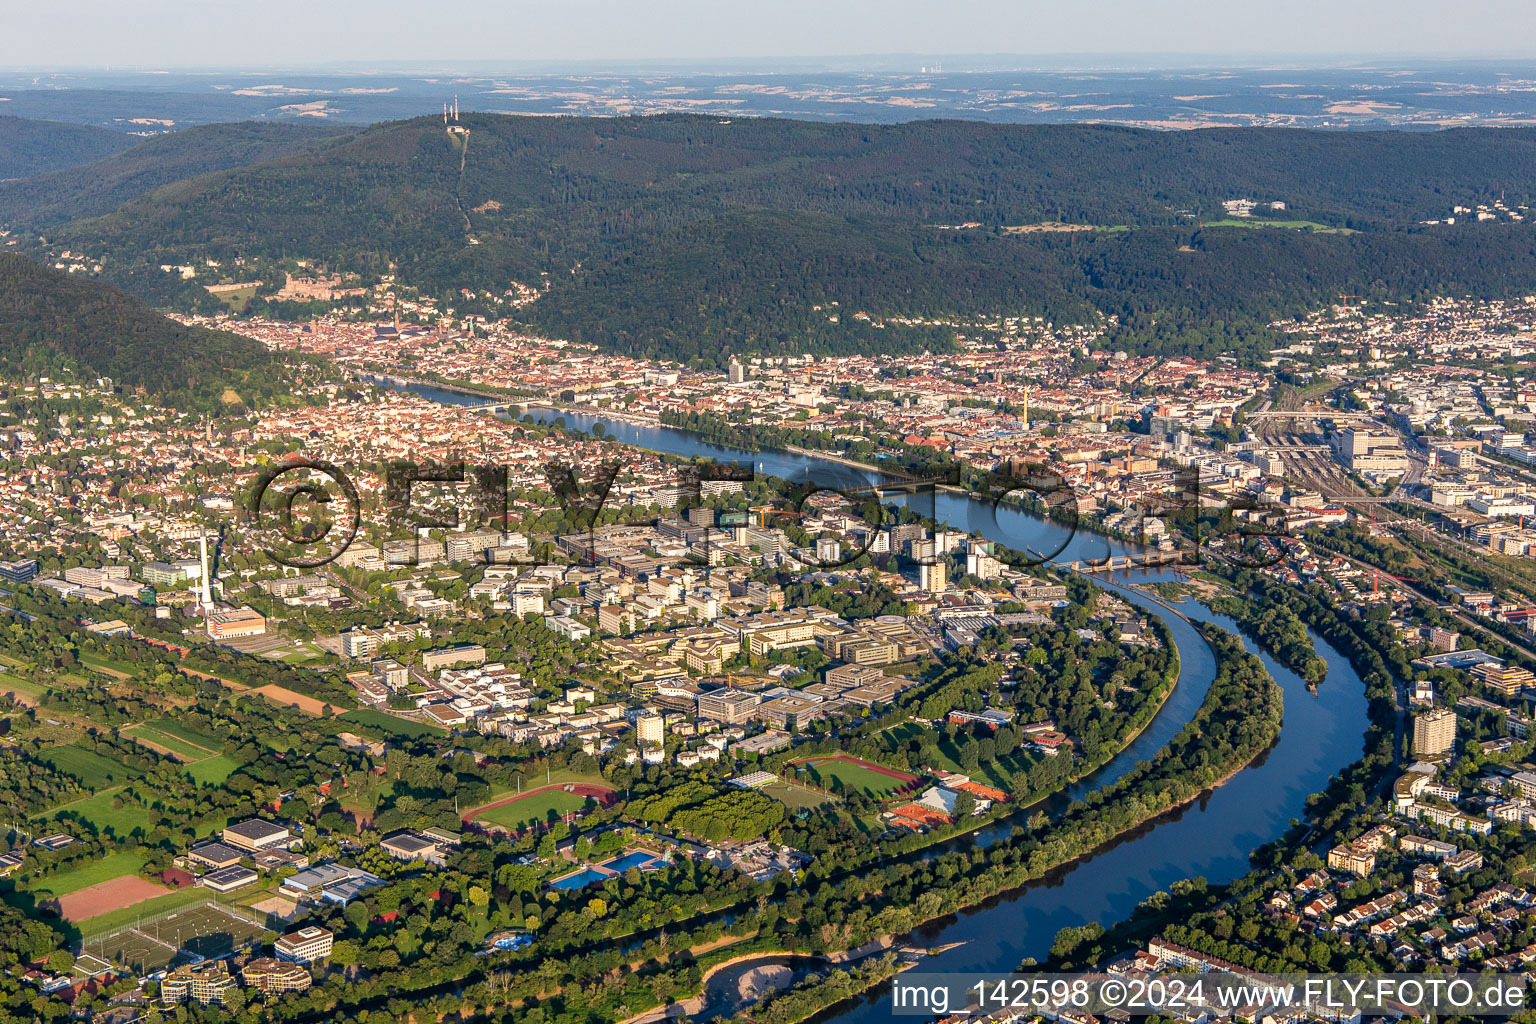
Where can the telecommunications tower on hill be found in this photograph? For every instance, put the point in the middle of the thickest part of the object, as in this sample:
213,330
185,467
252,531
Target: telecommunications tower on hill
451,118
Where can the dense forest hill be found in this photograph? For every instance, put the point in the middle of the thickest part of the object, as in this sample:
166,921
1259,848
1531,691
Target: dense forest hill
51,322
692,236
36,147
101,186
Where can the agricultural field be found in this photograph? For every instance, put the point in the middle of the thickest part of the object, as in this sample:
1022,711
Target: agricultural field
211,771
117,669
198,752
153,737
98,810
92,769
187,734
21,687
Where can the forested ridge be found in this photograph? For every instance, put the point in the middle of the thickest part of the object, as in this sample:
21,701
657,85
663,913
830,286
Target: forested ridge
104,184
29,146
50,321
688,236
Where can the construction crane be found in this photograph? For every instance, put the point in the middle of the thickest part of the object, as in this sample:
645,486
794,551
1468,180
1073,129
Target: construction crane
764,511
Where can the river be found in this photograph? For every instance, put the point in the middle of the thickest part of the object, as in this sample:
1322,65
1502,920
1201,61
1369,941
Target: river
1211,837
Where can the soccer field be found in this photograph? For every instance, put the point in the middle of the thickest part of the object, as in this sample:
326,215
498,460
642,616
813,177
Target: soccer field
136,952
848,775
533,809
206,930
795,797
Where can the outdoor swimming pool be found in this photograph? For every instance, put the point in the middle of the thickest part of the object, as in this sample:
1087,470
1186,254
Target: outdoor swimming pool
632,859
580,879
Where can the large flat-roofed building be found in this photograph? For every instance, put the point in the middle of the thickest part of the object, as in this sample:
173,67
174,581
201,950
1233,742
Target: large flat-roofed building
215,855
1353,858
305,946
1372,452
760,641
762,744
271,975
391,673
729,706
466,654
335,883
846,677
228,879
651,728
1508,680
255,834
417,846
203,983
240,622
464,546
792,711
160,574
19,571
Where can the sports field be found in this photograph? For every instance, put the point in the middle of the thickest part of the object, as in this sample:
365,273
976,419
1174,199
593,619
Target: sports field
848,774
200,930
117,894
796,798
109,921
533,808
139,953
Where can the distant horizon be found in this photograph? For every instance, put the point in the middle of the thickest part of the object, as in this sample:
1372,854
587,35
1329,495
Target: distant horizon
303,34
883,62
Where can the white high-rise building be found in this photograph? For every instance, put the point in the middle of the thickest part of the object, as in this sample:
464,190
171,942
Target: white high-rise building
651,729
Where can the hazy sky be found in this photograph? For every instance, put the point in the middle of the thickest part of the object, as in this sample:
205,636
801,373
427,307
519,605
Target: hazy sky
266,33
